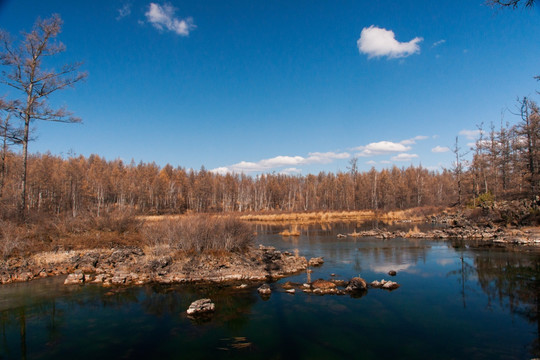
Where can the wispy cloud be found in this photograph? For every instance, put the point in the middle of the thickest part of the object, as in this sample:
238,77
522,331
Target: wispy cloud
378,42
440,149
124,11
413,140
404,157
282,161
437,43
291,171
162,17
470,134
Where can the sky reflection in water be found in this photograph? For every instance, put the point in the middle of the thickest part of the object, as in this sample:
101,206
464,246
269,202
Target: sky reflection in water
455,301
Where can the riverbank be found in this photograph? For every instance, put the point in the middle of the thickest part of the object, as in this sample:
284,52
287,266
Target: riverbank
135,266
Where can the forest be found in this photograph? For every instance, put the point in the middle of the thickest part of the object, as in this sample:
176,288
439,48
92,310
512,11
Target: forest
504,164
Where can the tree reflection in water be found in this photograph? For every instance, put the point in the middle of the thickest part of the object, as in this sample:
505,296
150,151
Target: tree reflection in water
509,278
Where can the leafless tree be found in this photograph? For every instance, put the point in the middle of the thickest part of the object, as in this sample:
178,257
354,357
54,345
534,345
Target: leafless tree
25,73
9,134
512,3
458,169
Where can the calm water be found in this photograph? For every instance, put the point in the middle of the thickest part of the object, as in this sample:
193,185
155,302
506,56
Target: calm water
456,301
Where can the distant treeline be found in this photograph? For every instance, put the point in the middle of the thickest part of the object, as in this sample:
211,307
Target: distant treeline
93,184
504,165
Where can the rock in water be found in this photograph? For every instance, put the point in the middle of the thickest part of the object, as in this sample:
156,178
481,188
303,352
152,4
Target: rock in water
356,284
324,287
264,289
390,285
77,278
392,273
316,261
201,306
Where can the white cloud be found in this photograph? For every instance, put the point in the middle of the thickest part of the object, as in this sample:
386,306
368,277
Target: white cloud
378,42
290,171
437,43
470,134
440,149
124,11
282,161
413,140
404,157
385,162
381,148
162,18
371,162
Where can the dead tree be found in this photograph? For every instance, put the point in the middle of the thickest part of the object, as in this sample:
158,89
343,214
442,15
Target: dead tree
25,73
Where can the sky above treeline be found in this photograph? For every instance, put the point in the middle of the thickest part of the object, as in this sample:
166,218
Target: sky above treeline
291,87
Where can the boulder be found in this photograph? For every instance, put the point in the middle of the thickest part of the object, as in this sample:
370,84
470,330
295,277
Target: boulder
392,273
201,306
76,278
356,284
384,284
390,285
289,285
264,289
316,261
324,287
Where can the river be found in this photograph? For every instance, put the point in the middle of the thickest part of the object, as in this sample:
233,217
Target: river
457,300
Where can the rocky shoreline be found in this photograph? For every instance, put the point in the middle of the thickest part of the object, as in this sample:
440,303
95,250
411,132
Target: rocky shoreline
458,227
528,237
132,266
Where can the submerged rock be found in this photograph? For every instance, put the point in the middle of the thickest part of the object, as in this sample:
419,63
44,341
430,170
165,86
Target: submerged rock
264,289
390,285
316,261
324,287
201,306
384,284
356,284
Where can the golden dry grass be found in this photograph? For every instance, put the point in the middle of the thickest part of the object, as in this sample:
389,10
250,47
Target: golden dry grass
335,216
292,232
52,257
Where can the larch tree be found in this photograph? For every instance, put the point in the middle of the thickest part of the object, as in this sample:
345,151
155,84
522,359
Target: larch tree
9,135
25,73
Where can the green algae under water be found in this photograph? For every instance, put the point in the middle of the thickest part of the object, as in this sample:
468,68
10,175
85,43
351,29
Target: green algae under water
457,300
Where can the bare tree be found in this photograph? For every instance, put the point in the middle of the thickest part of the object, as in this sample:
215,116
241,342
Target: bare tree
9,134
26,74
529,129
458,169
512,3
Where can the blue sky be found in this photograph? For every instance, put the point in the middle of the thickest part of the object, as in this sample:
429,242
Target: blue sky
284,86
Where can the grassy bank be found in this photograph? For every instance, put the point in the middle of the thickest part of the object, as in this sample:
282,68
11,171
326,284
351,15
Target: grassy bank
191,233
306,218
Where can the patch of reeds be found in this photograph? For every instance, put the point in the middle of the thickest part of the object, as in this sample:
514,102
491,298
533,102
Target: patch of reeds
291,232
200,233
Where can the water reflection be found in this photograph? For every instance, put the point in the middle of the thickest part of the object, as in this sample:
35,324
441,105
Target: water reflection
483,300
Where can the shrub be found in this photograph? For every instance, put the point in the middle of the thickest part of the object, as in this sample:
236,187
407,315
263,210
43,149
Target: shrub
10,239
200,233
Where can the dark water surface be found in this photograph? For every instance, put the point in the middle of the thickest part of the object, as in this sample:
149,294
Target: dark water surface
456,301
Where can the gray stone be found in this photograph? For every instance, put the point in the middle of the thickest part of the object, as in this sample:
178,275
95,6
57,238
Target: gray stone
201,306
264,289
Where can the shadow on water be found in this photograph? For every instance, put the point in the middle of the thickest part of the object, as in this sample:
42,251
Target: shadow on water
456,300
